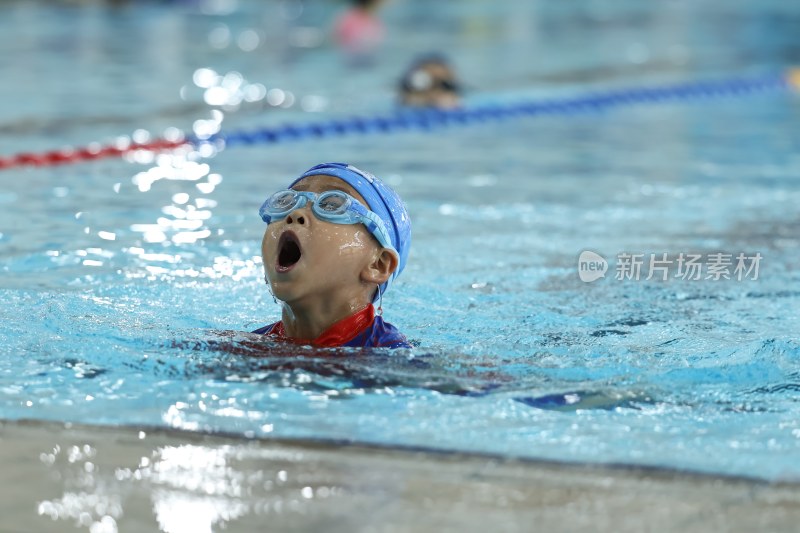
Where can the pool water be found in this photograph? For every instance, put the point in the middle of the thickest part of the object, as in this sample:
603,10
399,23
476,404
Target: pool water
127,285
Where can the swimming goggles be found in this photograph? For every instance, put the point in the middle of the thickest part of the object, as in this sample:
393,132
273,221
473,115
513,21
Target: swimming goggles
332,206
420,80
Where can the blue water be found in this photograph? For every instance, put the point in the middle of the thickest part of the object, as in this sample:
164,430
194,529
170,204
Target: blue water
124,281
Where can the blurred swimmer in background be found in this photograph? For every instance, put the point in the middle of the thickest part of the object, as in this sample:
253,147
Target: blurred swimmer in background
359,32
430,81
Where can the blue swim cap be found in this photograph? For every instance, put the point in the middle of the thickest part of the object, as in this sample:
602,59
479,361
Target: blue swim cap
381,200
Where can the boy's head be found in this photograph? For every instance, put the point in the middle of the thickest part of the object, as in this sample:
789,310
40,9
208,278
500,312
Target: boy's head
430,82
336,228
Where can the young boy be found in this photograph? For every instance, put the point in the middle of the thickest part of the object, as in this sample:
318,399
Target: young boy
334,242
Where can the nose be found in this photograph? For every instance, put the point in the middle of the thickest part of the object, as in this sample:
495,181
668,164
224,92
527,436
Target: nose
297,217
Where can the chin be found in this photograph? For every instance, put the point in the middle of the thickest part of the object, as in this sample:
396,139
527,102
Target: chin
288,292
279,290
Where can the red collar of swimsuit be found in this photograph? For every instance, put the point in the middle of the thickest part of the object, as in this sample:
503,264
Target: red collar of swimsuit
339,334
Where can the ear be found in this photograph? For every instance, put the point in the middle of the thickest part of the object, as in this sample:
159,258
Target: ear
380,268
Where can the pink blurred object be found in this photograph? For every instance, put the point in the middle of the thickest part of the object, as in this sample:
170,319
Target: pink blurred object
358,32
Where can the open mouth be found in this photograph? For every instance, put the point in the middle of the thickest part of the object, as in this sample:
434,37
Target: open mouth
289,252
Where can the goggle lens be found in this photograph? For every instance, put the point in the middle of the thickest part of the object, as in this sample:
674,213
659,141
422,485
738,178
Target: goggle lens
332,203
282,201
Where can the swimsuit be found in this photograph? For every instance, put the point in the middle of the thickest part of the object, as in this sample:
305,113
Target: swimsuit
361,329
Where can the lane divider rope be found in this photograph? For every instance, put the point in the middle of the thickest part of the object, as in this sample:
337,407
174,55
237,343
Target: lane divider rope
424,119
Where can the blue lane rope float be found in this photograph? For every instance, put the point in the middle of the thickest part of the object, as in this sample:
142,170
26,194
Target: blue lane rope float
428,119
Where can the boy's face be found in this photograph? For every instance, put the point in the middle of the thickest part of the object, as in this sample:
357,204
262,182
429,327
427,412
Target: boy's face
437,94
306,257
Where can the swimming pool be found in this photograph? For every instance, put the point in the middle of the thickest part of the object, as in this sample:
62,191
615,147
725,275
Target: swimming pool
119,274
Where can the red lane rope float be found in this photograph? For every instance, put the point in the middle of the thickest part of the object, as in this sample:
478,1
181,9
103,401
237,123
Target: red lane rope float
88,153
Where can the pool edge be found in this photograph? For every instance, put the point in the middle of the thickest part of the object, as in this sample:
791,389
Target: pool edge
61,472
